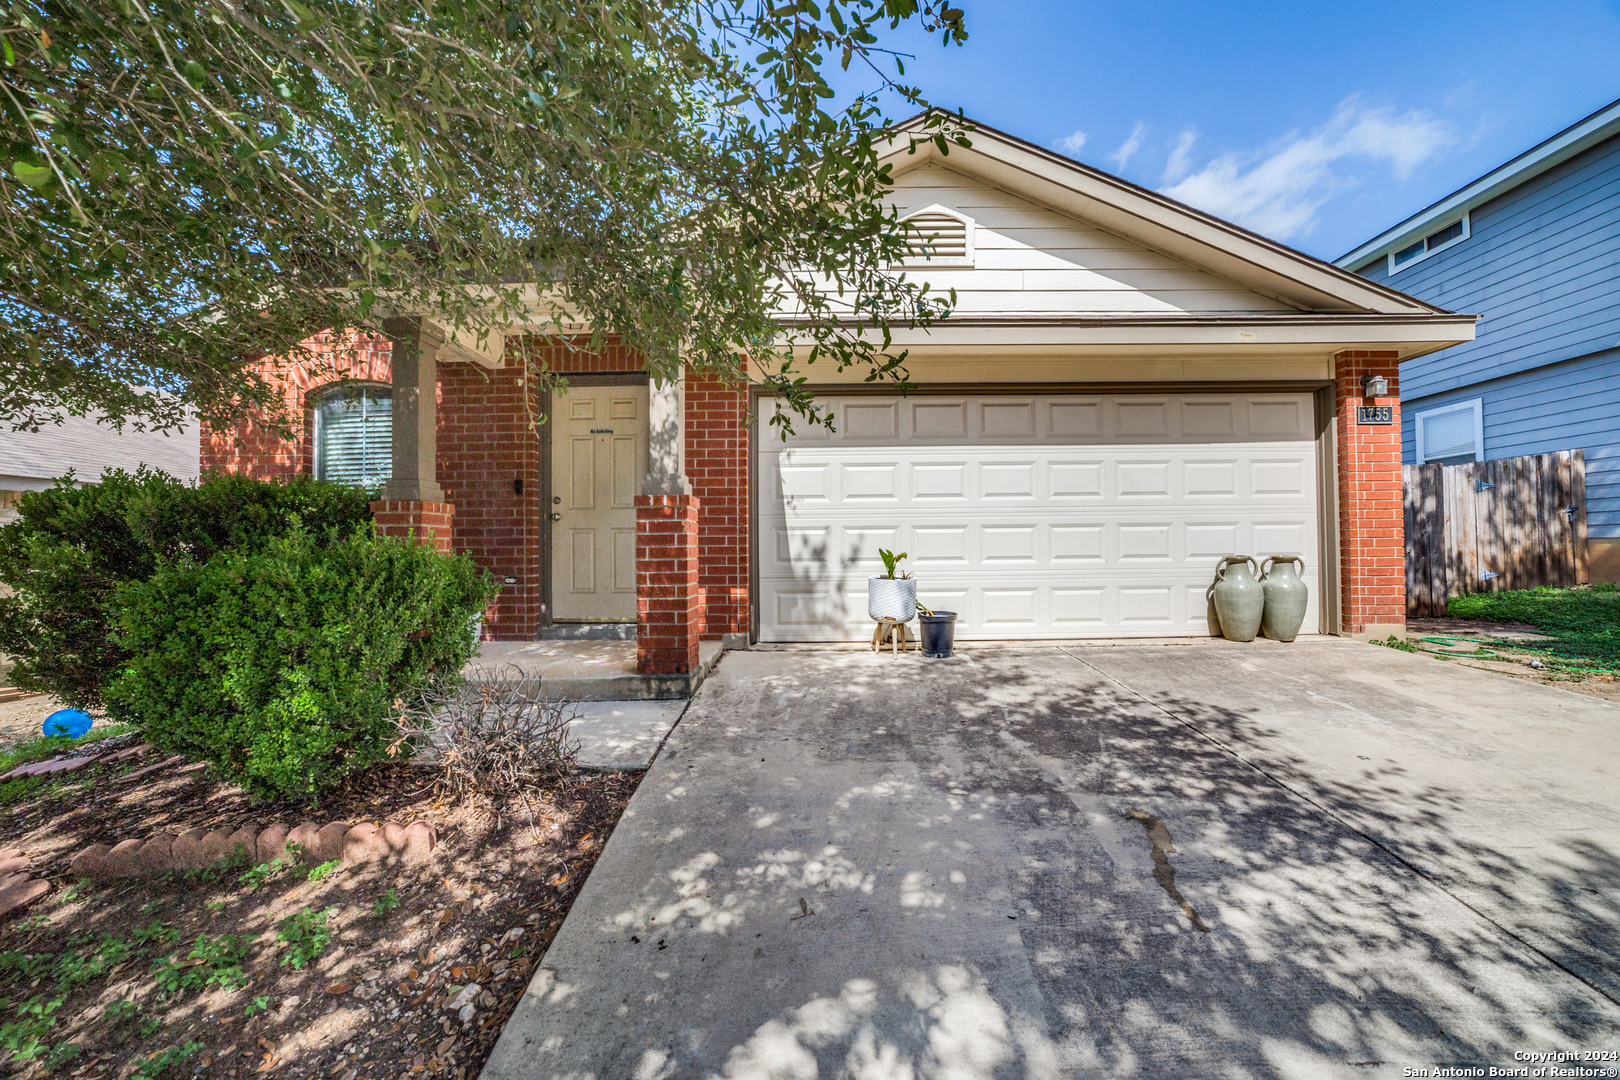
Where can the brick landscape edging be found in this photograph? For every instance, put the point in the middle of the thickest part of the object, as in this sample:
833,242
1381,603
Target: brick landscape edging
196,849
18,887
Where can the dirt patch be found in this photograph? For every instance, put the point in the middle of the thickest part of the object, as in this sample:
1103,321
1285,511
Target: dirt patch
285,970
24,718
1473,628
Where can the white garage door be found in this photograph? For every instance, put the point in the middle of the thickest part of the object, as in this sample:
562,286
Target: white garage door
1033,517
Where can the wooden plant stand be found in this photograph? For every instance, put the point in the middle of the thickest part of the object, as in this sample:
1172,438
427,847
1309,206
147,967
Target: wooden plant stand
889,630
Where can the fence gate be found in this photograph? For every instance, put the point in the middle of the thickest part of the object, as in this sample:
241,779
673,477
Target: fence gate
1487,526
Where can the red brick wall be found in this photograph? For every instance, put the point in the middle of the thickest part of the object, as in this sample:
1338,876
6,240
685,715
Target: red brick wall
717,464
572,358
487,438
254,448
669,601
1372,541
429,522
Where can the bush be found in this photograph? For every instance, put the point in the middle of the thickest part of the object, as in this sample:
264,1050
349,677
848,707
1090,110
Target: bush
493,734
282,664
72,547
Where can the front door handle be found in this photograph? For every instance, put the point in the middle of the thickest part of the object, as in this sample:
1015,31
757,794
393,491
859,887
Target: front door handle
556,517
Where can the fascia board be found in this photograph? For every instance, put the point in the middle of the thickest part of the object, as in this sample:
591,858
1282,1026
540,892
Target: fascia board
1411,336
1597,128
1157,222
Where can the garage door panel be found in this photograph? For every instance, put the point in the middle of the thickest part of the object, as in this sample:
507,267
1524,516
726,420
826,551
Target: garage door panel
939,481
1043,535
1075,420
1070,480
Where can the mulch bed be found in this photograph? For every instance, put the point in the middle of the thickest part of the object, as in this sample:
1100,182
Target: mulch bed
187,975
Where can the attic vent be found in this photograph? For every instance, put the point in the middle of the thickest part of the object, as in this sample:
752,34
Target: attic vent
938,236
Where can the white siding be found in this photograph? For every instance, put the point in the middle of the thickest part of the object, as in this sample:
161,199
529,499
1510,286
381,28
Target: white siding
1031,259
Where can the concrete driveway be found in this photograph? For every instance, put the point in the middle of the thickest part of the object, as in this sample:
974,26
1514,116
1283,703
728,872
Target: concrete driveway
1322,859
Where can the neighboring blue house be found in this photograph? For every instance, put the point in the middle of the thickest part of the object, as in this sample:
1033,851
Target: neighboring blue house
1534,248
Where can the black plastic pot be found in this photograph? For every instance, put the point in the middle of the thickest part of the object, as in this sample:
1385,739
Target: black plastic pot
938,633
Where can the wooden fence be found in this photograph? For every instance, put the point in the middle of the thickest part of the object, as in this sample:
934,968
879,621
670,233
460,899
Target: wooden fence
1486,526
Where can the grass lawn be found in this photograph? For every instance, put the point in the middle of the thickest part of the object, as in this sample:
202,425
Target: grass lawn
1584,622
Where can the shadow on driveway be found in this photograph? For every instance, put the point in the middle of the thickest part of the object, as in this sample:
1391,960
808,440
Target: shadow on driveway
1014,863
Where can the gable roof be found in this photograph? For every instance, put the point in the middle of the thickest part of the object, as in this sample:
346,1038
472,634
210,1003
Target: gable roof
1579,136
1304,283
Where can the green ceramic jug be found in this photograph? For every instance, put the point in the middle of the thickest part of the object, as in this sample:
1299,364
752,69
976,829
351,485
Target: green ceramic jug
1239,600
1286,596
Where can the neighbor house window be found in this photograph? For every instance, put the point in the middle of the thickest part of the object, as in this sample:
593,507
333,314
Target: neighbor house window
354,435
1439,240
1451,434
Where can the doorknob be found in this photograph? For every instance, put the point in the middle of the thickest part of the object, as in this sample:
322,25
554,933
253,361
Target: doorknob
556,517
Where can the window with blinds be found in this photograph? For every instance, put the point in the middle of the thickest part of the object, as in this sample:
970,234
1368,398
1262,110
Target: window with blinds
354,435
1450,435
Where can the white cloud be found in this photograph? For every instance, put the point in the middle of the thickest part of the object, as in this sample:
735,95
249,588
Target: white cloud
1129,147
1278,191
1180,162
1070,144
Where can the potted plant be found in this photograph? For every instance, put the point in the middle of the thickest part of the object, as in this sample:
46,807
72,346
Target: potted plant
938,631
889,596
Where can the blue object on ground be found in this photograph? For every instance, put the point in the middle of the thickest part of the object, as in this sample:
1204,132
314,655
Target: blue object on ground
70,722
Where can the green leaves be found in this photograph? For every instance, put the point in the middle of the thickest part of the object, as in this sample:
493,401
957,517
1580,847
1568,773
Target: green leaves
281,664
35,176
495,161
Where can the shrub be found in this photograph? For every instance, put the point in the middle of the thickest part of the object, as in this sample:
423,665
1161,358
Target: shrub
281,665
72,547
494,735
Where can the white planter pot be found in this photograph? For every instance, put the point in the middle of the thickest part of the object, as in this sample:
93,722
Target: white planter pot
891,598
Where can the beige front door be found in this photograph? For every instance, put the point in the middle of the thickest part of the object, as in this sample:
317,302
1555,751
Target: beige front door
598,460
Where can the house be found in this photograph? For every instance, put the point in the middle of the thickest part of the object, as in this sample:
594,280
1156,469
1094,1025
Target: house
33,460
1128,390
1534,247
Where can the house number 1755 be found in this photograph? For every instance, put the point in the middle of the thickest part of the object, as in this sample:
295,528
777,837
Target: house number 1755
1375,414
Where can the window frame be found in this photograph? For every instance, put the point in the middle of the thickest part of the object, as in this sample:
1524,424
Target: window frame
1476,405
1467,231
347,387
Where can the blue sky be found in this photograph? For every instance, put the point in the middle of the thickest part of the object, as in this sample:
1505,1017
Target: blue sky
1317,124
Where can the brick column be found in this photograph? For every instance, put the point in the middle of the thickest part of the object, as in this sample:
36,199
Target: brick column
429,522
1372,536
669,604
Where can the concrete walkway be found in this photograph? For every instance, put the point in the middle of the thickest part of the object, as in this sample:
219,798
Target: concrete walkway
588,670
1203,859
621,734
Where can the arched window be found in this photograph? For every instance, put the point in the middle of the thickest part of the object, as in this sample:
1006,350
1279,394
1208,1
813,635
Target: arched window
354,434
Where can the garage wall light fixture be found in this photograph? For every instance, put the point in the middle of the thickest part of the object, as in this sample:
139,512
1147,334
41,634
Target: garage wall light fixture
1374,386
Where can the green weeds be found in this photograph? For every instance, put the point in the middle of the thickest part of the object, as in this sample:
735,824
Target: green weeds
161,1063
122,1012
256,876
385,903
155,931
326,869
306,934
213,961
28,1036
1584,622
